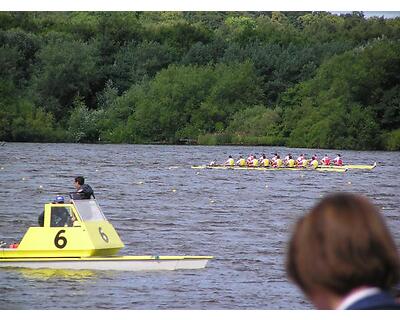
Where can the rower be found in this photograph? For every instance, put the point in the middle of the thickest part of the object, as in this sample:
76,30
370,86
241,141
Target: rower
255,162
338,160
249,160
326,160
299,160
278,162
229,162
290,163
273,159
314,162
264,161
304,163
241,162
289,156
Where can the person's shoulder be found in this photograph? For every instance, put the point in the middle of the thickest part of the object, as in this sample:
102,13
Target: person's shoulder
379,301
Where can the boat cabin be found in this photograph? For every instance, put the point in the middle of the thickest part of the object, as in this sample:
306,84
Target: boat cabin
75,229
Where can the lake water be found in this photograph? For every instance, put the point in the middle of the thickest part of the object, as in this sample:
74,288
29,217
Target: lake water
160,206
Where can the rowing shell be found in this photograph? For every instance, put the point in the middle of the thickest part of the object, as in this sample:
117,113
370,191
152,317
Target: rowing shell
353,166
121,263
328,169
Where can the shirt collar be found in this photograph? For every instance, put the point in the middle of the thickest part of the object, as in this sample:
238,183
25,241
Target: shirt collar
357,295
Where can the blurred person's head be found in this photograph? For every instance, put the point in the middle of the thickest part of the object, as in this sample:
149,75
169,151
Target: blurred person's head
341,244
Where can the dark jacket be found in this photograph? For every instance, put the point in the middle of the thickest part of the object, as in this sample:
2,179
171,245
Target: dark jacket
379,301
85,192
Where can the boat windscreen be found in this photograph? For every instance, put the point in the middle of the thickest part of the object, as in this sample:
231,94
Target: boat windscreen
89,210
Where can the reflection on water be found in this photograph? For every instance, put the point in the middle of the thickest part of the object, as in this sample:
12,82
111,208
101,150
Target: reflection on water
160,206
56,274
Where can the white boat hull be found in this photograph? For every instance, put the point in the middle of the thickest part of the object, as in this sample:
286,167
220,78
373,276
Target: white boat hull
124,263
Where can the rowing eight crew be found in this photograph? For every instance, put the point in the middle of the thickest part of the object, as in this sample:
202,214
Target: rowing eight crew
288,161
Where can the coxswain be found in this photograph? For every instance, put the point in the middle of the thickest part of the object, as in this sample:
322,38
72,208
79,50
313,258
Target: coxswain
264,161
338,160
290,163
241,162
229,162
326,161
278,162
314,162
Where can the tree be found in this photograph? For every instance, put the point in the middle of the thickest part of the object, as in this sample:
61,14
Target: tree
66,70
136,62
83,124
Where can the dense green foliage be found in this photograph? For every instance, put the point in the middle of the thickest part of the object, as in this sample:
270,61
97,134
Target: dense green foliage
299,79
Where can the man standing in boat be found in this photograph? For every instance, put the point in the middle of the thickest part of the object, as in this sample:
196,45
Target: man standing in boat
83,191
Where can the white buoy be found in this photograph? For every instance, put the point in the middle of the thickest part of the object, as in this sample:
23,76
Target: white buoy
173,190
212,201
140,182
266,186
40,187
349,182
2,168
23,179
197,172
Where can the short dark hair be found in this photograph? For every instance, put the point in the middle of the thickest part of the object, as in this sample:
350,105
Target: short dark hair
341,244
80,180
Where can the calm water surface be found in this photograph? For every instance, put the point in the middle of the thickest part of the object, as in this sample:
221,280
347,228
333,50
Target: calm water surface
160,206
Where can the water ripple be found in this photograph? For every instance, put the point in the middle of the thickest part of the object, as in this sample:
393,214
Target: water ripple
164,207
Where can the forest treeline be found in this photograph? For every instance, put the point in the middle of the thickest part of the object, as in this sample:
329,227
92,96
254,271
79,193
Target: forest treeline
299,79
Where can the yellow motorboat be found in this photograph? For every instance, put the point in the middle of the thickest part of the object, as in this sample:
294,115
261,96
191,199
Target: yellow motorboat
77,235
